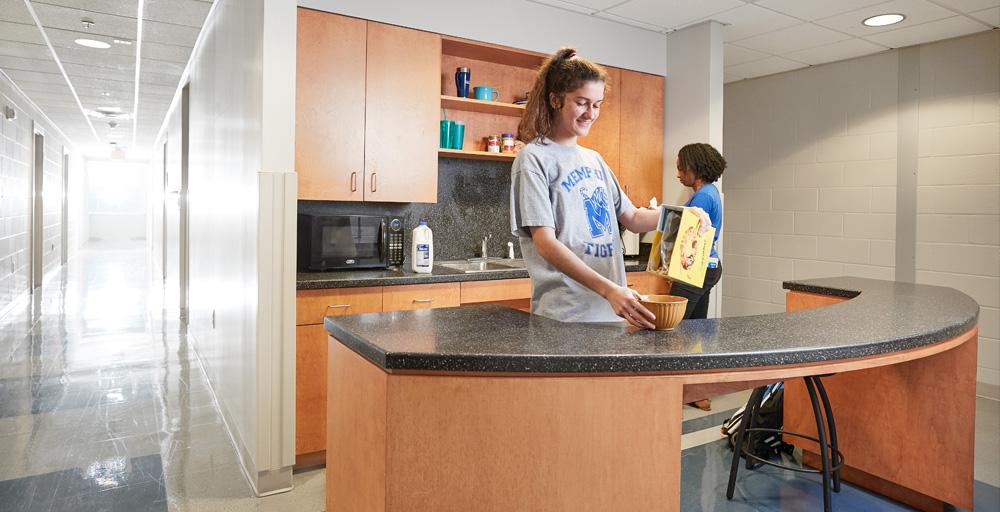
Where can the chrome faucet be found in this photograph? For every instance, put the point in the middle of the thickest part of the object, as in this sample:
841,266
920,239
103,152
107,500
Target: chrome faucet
485,239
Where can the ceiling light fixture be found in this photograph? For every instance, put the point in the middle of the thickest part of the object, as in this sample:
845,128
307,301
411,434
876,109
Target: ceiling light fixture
138,65
93,43
883,19
62,70
109,113
106,94
125,42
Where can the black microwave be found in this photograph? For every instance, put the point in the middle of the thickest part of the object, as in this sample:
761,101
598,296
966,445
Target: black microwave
331,242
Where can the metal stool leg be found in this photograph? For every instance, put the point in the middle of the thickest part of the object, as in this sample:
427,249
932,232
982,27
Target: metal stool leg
753,411
823,453
833,432
740,436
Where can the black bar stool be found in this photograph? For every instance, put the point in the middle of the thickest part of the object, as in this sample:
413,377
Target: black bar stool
830,470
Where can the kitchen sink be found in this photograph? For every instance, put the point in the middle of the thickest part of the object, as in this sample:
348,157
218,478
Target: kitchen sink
474,266
519,263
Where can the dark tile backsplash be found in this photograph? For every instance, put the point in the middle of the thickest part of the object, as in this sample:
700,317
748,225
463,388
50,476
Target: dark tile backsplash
473,201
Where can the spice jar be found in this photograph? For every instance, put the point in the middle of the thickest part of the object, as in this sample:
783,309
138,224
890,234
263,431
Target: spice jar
507,143
493,143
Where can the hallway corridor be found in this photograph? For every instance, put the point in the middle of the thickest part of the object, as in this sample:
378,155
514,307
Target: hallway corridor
104,406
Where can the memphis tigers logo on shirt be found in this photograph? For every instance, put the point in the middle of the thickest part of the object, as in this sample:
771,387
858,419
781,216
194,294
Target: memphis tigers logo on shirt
596,208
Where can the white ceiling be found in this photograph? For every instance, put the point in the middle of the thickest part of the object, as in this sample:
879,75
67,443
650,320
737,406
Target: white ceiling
770,36
761,37
101,78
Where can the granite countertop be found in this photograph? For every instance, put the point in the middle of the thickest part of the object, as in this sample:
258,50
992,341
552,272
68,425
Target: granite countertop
439,274
883,317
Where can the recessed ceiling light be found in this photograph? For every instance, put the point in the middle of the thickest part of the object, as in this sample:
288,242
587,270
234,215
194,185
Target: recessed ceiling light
106,94
91,43
883,19
125,42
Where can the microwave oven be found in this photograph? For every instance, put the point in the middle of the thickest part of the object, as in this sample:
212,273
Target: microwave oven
332,242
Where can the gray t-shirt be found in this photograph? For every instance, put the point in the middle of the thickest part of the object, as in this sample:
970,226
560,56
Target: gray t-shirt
572,190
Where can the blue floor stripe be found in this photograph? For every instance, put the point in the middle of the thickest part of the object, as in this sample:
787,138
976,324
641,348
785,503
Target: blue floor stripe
127,484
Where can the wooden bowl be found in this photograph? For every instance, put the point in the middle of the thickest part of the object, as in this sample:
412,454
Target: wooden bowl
669,310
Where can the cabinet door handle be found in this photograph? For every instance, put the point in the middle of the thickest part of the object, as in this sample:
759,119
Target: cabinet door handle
338,306
423,300
354,181
373,182
631,285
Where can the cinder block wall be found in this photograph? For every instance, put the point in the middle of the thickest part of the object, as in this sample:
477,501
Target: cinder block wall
16,161
811,188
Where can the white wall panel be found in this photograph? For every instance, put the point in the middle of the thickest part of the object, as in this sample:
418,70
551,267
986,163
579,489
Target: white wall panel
239,121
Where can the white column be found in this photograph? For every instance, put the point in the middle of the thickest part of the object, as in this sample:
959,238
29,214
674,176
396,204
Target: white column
277,208
693,108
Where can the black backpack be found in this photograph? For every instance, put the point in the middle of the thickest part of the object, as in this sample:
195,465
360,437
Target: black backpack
762,444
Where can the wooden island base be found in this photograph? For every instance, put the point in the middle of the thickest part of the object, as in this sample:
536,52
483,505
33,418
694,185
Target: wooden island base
452,443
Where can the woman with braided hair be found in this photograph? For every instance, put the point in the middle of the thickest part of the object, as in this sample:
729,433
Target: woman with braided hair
699,166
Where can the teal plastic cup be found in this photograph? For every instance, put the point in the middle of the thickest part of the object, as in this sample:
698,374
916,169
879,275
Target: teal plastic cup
446,128
457,135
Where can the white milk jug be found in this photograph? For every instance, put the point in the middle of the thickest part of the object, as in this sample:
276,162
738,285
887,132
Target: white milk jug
422,253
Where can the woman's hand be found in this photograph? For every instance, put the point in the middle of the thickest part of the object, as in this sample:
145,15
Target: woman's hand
706,221
626,304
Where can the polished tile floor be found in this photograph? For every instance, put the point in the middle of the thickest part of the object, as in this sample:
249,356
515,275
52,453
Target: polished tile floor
104,407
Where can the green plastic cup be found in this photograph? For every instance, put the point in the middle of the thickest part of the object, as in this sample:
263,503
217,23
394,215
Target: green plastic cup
446,128
457,135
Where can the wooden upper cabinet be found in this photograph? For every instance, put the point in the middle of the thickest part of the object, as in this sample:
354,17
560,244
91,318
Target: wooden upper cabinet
402,110
330,106
641,153
604,133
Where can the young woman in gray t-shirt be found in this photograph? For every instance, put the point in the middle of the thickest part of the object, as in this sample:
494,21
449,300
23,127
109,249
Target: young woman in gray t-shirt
566,203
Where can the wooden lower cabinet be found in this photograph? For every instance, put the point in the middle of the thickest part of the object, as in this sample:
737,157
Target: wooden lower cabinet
311,306
310,389
421,296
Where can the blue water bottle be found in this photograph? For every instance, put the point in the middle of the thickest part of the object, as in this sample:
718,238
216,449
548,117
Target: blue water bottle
462,77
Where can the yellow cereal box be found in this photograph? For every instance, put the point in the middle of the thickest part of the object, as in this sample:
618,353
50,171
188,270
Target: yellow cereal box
689,259
680,252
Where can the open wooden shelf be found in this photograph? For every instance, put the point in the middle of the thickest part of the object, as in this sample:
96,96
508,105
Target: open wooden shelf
482,106
490,52
476,155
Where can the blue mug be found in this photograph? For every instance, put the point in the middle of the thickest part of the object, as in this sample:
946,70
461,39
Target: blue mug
486,93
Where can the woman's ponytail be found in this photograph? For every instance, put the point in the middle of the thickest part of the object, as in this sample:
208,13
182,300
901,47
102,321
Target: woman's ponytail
560,73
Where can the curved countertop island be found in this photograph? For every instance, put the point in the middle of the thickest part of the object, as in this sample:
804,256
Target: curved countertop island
490,408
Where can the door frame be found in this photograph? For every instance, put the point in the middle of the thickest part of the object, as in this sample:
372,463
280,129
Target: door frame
64,225
37,212
165,193
184,229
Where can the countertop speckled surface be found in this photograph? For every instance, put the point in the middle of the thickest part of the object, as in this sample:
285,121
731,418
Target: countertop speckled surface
884,316
357,278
